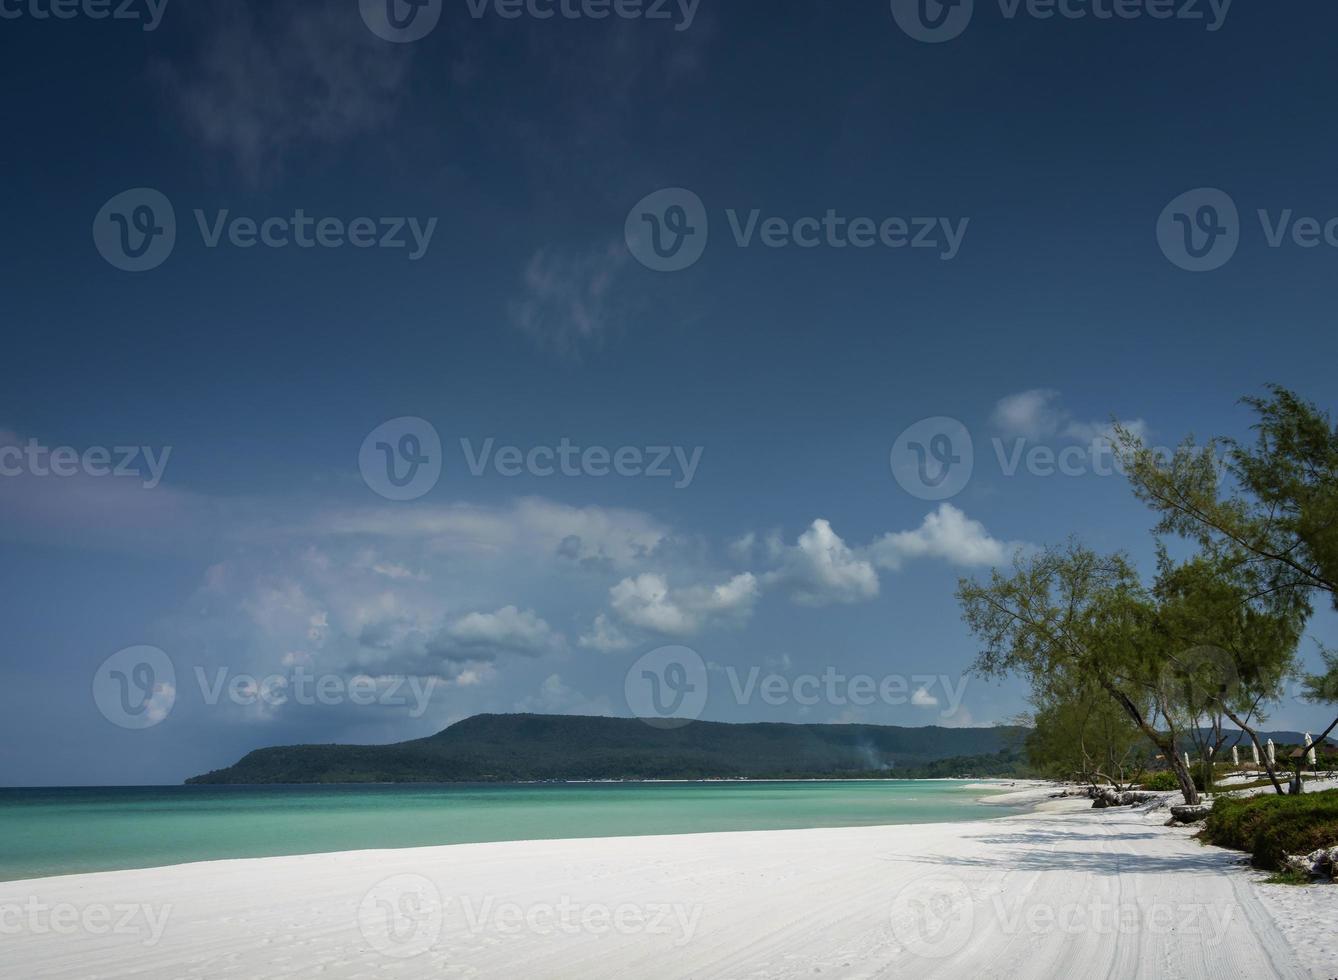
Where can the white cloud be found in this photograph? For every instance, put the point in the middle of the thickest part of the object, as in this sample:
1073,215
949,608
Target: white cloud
820,569
923,699
1029,414
1037,414
647,602
565,306
530,526
741,549
605,636
507,630
267,82
947,534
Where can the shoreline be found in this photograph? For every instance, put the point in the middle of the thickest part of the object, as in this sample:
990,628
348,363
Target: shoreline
1060,889
960,796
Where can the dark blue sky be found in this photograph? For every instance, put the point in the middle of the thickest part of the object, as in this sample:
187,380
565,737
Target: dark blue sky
527,320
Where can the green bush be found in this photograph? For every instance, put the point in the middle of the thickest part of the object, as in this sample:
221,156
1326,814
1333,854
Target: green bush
1163,781
1271,826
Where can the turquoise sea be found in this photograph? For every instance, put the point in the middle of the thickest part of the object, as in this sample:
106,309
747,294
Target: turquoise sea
66,831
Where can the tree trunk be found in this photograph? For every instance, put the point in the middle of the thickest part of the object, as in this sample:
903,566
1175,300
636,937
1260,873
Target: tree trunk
1182,775
1263,756
1167,745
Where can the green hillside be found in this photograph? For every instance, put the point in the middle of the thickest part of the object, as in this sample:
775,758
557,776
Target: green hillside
506,748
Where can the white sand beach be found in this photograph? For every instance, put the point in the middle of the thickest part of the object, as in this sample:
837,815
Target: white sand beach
1062,892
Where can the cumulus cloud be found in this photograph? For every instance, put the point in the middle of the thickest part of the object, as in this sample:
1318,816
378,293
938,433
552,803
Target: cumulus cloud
923,699
821,569
946,534
605,636
1037,414
647,602
479,635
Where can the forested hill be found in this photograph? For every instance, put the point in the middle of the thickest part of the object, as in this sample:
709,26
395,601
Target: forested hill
504,748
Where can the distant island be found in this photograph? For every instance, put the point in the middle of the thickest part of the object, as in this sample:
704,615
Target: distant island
522,748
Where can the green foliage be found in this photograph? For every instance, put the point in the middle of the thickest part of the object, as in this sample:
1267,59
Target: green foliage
1071,620
1161,782
1288,878
519,748
1079,732
1284,511
1270,827
1323,688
